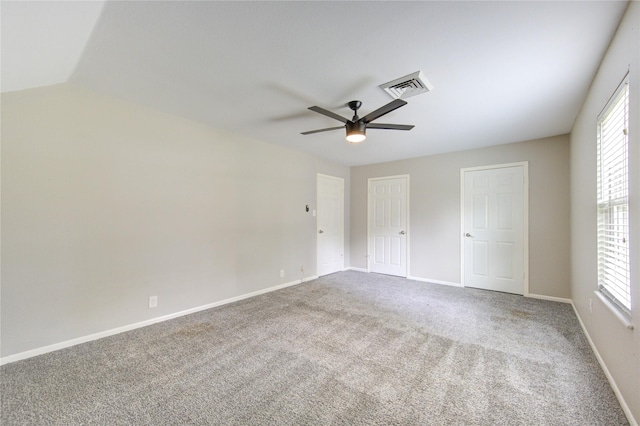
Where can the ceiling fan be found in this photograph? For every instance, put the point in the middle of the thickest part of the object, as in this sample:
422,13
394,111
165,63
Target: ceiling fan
356,127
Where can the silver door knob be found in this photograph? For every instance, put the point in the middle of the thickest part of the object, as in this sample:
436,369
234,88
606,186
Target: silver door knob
321,232
401,232
468,235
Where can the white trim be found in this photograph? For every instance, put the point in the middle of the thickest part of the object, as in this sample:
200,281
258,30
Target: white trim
615,310
495,166
368,255
408,239
353,268
550,298
612,382
424,280
525,224
388,177
525,217
95,336
341,180
407,213
429,280
462,230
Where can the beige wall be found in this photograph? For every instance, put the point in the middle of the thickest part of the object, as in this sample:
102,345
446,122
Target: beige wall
105,203
435,210
618,347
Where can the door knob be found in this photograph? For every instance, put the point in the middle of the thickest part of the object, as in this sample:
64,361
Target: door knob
401,232
321,232
468,235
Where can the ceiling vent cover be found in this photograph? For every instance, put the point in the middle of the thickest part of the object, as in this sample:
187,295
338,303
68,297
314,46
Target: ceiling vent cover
407,86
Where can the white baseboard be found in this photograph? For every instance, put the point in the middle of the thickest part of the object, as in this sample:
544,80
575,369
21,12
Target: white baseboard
429,280
353,268
612,382
95,336
425,280
550,298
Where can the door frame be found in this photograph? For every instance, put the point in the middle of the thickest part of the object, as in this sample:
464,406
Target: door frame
525,217
408,216
341,180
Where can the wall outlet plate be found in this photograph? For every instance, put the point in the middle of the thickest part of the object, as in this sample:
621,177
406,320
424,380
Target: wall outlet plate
153,301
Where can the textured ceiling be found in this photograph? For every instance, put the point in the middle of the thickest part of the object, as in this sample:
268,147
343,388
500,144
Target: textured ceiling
502,71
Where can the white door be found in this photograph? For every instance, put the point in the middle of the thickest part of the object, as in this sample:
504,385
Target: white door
493,229
388,207
330,224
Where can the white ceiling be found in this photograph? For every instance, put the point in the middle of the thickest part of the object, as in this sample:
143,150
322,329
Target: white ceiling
502,71
42,41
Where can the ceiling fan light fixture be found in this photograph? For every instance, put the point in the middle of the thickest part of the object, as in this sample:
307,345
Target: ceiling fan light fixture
356,132
356,137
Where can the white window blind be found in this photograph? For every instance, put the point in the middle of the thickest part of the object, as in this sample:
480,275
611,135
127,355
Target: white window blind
613,199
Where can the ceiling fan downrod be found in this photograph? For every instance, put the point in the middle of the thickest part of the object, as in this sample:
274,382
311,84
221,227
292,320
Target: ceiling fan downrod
354,105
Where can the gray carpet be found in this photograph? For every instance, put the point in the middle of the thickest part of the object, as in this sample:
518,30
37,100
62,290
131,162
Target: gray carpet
348,349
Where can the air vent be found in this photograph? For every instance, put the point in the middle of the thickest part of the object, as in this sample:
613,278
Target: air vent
407,86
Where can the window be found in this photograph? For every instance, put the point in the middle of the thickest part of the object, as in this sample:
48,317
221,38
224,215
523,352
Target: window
613,199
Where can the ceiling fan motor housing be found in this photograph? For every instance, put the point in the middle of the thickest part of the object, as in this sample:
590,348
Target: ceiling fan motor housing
356,128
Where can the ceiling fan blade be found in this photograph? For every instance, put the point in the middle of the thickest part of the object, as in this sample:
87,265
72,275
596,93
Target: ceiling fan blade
328,113
321,130
395,104
390,126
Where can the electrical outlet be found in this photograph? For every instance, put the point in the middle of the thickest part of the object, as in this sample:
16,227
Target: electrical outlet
590,306
281,273
302,269
153,301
